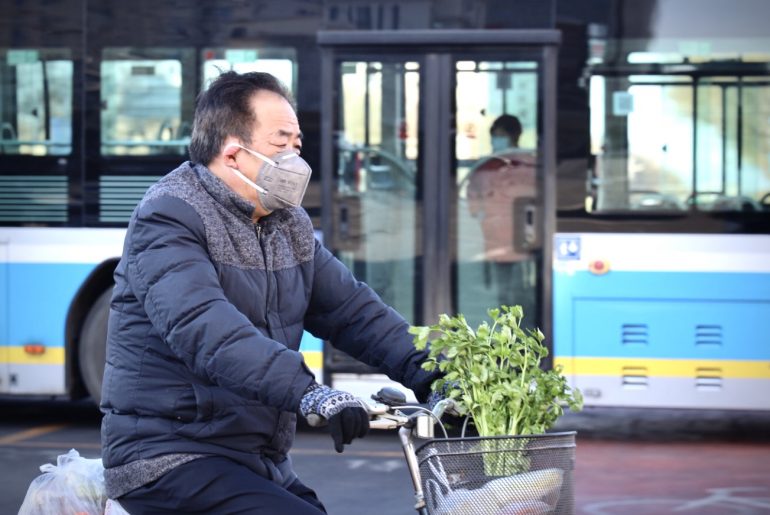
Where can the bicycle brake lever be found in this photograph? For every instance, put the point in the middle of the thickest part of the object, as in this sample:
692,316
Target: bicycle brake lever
388,421
376,408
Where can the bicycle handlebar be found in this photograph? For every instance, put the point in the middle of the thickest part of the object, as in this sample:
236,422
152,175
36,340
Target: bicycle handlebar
387,412
384,415
381,416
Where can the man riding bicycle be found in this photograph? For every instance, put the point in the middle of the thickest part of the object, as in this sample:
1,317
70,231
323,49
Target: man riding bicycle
220,275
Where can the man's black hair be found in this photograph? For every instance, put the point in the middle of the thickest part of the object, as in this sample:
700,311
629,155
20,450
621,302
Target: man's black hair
508,123
224,109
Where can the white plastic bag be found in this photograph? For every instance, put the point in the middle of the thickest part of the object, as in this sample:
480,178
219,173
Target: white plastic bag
113,507
74,486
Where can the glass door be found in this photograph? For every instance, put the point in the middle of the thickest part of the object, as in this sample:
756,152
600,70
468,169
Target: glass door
437,167
498,191
375,183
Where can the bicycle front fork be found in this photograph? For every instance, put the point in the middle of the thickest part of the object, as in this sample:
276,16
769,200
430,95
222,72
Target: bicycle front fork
405,435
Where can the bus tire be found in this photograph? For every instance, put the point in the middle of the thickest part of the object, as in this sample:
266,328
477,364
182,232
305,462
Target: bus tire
93,345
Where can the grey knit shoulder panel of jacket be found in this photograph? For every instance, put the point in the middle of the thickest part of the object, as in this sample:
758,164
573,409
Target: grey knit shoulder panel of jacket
227,219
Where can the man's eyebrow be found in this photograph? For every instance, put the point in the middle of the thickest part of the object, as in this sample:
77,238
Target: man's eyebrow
287,134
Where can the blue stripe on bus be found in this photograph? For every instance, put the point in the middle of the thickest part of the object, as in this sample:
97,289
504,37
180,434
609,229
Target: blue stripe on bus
38,297
669,315
310,343
664,285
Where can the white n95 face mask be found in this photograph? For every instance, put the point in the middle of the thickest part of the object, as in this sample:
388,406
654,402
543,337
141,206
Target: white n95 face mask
281,181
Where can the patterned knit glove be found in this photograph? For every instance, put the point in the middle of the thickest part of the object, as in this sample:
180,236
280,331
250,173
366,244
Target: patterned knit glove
454,409
346,416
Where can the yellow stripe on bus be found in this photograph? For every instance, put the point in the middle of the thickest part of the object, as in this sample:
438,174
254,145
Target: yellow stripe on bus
314,359
664,367
17,356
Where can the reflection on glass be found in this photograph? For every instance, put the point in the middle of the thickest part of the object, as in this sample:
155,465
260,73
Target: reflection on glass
710,152
659,167
142,106
35,102
639,133
148,94
680,142
682,123
495,142
753,172
280,62
376,217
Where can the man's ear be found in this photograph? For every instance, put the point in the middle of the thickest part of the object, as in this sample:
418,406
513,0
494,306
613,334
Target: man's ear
229,150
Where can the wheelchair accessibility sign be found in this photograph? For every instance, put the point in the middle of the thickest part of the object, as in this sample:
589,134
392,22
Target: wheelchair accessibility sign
567,248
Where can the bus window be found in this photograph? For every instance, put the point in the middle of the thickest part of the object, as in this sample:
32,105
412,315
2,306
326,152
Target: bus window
693,138
749,174
35,102
733,125
280,62
642,134
142,111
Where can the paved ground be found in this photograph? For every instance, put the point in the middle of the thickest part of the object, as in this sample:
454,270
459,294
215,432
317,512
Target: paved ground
656,462
662,463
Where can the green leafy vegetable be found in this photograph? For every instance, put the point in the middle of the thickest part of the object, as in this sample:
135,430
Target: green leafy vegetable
494,372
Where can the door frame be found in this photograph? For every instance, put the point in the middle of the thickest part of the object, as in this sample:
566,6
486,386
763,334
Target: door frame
436,48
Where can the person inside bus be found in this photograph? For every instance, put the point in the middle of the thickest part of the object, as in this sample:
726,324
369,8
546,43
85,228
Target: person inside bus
220,275
498,187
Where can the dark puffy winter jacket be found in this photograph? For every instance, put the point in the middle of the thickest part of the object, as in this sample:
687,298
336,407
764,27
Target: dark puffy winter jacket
206,319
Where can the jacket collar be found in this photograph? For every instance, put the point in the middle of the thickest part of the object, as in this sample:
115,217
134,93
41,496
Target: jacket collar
233,202
223,194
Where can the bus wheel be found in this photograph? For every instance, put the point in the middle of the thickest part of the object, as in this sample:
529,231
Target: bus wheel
93,345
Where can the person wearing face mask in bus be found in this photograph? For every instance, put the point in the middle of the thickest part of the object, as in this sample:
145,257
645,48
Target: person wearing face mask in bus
220,275
496,183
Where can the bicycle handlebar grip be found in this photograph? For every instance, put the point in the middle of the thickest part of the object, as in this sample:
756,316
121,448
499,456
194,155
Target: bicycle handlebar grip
383,423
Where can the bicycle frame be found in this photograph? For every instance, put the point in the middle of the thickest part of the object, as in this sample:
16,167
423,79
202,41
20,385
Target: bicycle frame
386,414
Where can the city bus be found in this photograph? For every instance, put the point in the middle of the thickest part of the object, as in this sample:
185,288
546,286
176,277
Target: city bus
635,216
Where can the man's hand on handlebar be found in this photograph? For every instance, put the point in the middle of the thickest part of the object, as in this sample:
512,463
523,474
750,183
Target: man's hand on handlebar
450,411
346,417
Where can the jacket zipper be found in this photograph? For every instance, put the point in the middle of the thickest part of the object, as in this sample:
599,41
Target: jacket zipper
267,276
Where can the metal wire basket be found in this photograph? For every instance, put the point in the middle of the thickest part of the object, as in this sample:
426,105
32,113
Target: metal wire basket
505,475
